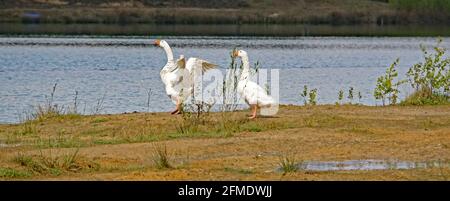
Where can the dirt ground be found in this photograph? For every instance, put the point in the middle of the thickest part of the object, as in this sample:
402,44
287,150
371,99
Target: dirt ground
125,146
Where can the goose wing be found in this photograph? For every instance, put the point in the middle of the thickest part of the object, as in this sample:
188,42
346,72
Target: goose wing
194,64
181,62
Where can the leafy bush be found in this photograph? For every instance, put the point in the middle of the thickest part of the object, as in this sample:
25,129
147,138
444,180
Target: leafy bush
309,96
350,94
386,87
422,97
340,96
433,73
313,97
430,79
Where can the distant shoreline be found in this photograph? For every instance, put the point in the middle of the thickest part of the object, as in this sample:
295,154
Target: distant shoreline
227,17
273,30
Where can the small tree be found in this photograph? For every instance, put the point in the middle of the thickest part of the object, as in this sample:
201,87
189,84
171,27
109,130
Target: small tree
304,94
309,96
313,97
340,96
433,74
386,87
350,94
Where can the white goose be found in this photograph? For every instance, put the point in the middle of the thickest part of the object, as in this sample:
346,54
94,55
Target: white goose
178,77
252,93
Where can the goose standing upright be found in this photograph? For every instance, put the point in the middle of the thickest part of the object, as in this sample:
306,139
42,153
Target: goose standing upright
178,77
252,93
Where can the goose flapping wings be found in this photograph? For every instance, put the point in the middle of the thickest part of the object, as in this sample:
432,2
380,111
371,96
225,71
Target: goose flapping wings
187,73
178,77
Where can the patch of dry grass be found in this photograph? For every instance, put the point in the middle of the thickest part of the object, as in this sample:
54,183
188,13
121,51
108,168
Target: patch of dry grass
49,163
326,132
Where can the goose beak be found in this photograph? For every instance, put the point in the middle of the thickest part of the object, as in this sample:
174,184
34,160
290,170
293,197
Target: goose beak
235,53
156,43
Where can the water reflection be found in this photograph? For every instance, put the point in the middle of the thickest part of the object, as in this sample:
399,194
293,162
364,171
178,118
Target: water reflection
224,30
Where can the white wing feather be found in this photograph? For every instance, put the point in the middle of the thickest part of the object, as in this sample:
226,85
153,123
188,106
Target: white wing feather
180,80
198,64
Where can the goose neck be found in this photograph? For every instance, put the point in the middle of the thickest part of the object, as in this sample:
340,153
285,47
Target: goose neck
245,68
168,51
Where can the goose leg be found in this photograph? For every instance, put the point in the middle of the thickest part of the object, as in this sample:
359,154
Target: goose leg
255,107
175,111
178,108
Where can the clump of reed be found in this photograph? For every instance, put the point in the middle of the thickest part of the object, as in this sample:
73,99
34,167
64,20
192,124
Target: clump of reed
47,110
288,163
161,156
51,110
47,163
193,116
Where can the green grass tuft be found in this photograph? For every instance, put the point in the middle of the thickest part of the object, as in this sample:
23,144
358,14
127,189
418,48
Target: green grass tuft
425,97
46,163
288,164
13,173
161,157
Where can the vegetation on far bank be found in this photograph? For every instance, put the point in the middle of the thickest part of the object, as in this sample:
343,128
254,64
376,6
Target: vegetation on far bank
381,12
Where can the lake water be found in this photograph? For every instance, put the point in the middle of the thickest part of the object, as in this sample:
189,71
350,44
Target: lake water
122,69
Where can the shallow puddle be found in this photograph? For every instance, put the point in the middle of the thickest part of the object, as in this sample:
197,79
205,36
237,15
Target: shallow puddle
365,165
9,145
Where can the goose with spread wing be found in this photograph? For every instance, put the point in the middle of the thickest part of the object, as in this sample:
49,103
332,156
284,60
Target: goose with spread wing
178,76
253,94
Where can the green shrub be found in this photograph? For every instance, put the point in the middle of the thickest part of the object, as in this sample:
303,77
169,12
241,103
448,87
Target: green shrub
340,97
350,94
13,173
309,96
422,97
288,164
386,87
430,78
161,156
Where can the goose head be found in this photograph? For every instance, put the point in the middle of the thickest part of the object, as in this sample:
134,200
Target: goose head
159,43
239,53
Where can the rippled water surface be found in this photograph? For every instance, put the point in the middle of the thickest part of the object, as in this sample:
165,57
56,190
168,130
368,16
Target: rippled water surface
122,69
